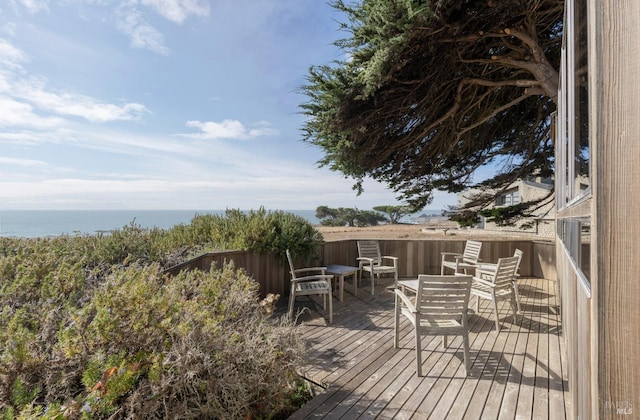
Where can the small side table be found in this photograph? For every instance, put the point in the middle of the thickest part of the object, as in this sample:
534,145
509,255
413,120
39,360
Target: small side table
342,271
408,284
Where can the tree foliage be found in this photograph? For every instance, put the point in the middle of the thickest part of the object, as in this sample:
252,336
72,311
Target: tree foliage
344,216
432,90
395,213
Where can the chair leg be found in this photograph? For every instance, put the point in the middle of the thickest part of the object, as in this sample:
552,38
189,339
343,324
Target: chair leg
495,309
330,307
418,349
292,297
444,342
514,301
372,280
467,358
396,324
515,291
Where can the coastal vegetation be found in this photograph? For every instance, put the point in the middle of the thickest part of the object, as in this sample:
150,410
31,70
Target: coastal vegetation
92,327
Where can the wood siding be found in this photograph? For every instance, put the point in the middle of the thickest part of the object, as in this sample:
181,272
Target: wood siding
424,256
601,318
576,322
616,91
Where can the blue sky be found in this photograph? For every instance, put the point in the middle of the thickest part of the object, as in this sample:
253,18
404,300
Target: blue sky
165,104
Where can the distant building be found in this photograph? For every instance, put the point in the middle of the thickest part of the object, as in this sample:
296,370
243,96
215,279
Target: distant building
542,220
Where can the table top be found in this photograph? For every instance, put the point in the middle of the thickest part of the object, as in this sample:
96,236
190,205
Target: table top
411,284
341,269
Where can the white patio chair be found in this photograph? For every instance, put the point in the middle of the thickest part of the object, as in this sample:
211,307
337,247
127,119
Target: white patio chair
496,283
371,259
489,266
304,284
440,309
465,261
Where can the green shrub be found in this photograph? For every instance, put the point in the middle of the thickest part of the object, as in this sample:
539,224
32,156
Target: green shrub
91,328
144,345
257,230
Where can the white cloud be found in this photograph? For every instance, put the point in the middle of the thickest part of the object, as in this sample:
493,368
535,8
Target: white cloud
28,163
33,6
178,10
10,56
19,114
76,105
228,129
142,34
23,96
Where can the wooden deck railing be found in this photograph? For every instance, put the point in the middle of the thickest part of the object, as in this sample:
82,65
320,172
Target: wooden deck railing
415,257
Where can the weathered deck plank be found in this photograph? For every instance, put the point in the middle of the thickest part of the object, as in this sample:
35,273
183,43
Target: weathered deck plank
516,373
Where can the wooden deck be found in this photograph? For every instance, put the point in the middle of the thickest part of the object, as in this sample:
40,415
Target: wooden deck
517,373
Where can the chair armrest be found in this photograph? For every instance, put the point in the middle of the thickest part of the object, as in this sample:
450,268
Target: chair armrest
488,268
450,253
389,257
327,277
365,261
446,256
406,301
321,270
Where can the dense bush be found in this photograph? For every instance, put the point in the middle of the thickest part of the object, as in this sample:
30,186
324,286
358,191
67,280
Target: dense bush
259,230
90,327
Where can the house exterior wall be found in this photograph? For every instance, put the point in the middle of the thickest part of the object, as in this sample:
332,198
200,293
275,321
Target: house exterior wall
542,223
598,227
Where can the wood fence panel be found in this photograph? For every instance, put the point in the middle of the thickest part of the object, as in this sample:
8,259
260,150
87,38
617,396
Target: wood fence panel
414,257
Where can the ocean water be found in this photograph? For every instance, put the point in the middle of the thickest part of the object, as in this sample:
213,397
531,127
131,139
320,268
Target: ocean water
43,223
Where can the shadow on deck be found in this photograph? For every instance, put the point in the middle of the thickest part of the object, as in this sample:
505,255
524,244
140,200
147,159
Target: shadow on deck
516,373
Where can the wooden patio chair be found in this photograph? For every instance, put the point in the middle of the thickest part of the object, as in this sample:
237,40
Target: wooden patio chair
496,283
465,261
371,259
310,281
489,266
440,308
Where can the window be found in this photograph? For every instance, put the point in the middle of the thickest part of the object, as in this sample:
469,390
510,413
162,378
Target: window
573,153
581,151
509,198
575,234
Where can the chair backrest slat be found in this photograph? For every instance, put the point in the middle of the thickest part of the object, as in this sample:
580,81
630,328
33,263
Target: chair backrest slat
518,253
370,249
443,297
506,271
471,252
